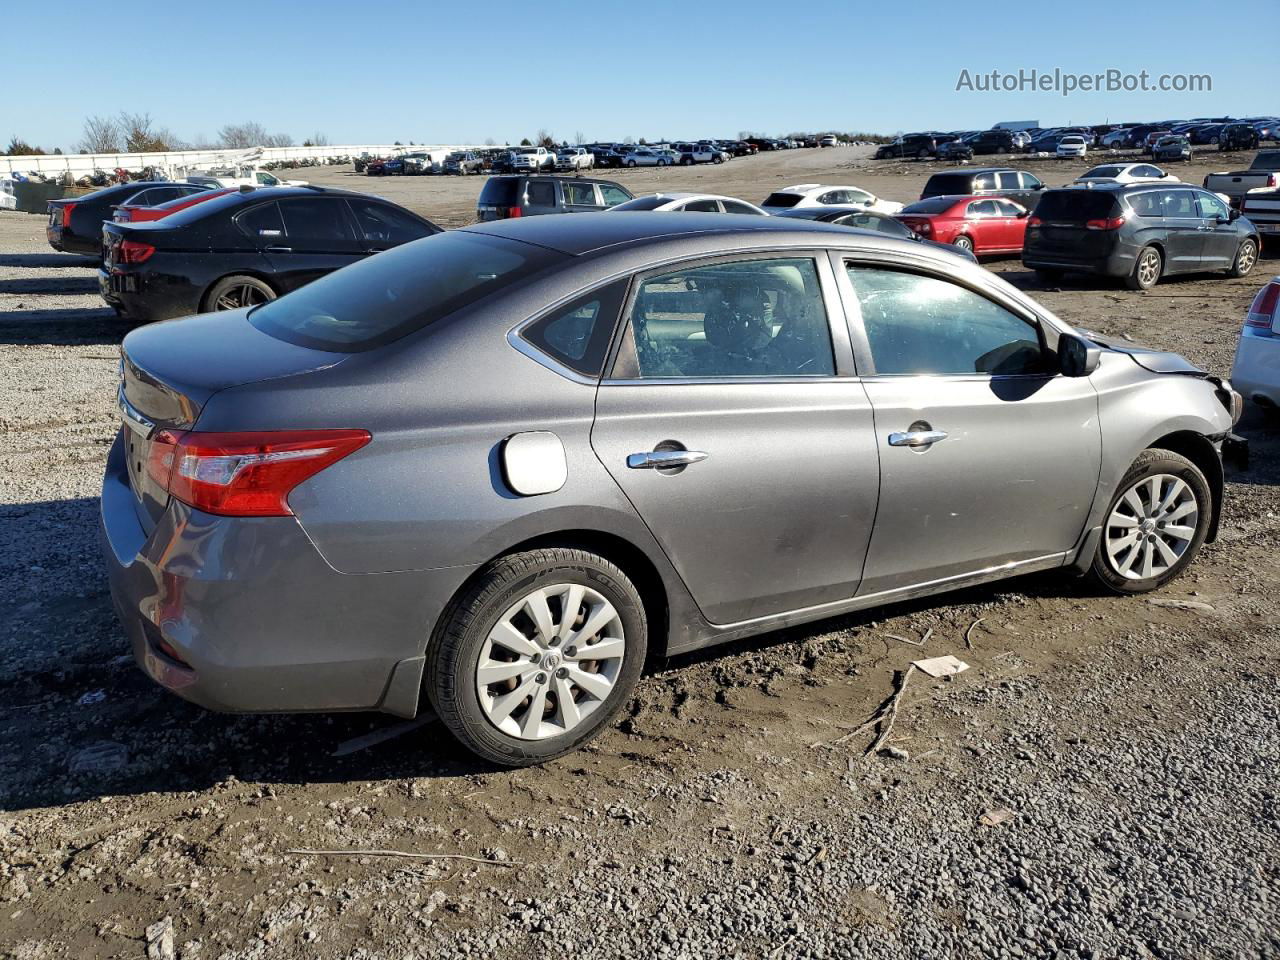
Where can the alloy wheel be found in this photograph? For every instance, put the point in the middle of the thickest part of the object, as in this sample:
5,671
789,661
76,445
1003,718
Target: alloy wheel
550,661
1246,258
241,295
1151,526
1149,268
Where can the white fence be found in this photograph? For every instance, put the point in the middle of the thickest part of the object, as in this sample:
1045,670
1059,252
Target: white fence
83,164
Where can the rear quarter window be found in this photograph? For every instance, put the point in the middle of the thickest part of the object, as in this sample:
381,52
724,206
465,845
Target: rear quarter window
578,335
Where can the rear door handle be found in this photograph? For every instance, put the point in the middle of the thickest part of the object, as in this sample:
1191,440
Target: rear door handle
916,438
279,249
661,459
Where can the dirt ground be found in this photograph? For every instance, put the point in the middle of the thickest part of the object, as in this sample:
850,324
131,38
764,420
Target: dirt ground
1135,745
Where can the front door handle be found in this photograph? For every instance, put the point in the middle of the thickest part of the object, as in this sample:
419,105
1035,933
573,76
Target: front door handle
664,459
279,249
916,438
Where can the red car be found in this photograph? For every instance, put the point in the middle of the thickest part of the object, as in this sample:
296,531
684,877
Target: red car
978,224
137,212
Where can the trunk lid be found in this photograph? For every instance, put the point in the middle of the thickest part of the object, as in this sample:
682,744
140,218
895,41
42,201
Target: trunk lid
170,370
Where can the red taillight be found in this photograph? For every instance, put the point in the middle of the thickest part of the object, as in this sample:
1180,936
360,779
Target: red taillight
131,251
1110,223
1034,221
245,474
917,226
514,211
1263,311
66,215
1273,180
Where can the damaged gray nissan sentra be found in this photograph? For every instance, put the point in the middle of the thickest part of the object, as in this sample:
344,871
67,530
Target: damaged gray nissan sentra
489,472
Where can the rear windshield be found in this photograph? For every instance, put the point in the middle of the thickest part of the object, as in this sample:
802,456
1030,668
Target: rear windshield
781,200
956,184
394,293
642,203
932,205
1104,171
500,192
1075,205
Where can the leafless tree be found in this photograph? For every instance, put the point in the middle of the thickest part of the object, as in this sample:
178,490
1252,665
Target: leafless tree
101,135
489,141
243,135
544,139
318,139
277,140
579,138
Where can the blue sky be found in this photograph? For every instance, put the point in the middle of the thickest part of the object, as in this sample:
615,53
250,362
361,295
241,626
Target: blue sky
379,71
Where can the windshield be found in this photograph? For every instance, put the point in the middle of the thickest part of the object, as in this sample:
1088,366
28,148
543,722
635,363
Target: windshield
392,294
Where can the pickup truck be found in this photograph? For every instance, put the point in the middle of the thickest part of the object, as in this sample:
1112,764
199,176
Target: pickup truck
240,177
1262,207
535,159
575,158
1264,172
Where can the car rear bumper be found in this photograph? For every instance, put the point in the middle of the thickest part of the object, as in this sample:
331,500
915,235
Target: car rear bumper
1256,372
244,615
146,298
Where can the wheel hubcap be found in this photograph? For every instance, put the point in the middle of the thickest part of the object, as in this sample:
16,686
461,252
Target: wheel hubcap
1151,527
550,661
242,295
1246,258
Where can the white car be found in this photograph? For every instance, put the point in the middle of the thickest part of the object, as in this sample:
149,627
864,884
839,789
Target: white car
1256,372
575,158
7,199
536,159
1125,173
689,203
646,157
1072,146
827,141
825,195
220,177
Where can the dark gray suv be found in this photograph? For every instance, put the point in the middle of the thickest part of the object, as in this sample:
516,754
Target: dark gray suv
522,196
1138,231
1016,185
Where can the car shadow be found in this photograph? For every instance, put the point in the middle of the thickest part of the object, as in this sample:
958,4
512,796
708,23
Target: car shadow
47,260
63,326
54,285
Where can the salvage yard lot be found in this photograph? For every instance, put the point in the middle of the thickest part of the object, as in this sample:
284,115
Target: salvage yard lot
1136,743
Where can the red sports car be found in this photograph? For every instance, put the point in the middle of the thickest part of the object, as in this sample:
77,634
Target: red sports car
138,212
979,224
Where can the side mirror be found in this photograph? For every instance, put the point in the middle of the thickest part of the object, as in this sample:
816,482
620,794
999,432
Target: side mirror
1023,214
1232,216
1077,357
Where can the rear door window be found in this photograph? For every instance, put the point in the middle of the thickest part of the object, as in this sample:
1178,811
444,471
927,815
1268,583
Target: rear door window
983,208
918,325
317,219
262,222
1009,181
701,206
580,194
1149,203
1181,205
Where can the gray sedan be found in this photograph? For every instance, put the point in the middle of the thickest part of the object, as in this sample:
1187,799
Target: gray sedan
491,471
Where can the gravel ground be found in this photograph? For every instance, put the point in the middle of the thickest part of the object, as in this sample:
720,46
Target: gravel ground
1134,746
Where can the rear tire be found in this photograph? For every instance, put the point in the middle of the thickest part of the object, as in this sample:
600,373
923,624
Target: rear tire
1246,258
962,243
1147,268
1113,567
232,293
492,624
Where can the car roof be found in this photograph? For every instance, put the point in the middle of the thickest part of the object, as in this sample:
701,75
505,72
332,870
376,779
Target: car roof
977,170
812,213
581,233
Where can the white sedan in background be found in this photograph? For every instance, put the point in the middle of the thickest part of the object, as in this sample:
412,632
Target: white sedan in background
1072,146
689,203
1125,173
826,195
1256,372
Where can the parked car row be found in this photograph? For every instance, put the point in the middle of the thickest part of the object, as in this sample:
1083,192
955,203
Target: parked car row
1223,133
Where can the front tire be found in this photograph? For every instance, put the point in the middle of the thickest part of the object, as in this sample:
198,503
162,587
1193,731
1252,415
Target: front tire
1146,269
1245,259
1155,524
537,655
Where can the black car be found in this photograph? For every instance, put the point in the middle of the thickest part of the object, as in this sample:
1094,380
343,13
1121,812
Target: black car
75,223
866,220
920,145
1137,231
245,248
1016,185
1173,147
525,196
1209,134
955,150
993,141
1238,136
